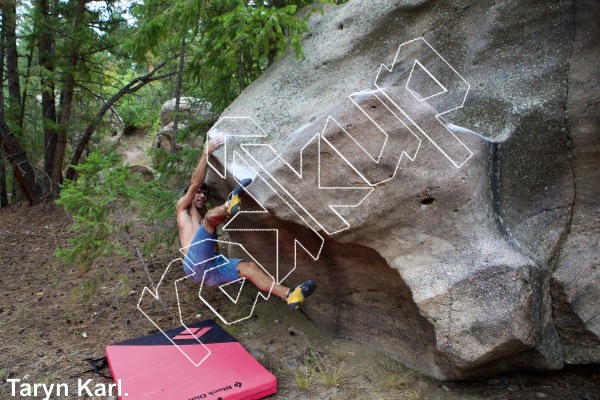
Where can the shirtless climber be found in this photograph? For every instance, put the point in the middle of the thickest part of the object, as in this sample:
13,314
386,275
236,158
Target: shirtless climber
196,224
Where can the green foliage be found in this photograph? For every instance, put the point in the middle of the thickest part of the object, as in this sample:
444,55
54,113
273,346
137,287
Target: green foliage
91,199
136,113
231,41
100,202
138,110
89,286
241,43
95,36
304,378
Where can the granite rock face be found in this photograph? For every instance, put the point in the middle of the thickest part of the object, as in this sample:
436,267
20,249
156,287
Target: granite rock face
446,204
187,106
191,111
576,277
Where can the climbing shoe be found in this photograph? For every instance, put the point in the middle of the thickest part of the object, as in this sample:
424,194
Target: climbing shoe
235,197
298,293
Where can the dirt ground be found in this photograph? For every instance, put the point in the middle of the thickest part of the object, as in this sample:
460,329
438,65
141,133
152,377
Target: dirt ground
48,329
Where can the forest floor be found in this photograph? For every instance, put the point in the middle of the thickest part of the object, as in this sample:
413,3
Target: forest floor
48,329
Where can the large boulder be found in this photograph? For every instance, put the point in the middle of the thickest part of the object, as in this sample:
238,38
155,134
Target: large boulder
576,277
463,246
188,106
192,111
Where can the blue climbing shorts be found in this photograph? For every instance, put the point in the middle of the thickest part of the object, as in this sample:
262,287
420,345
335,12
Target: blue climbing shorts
204,265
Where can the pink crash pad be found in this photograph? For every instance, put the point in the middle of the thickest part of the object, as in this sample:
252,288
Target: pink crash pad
201,361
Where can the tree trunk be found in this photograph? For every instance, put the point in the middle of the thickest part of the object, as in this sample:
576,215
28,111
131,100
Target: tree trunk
21,166
9,23
66,99
178,92
278,3
3,189
46,60
24,96
150,56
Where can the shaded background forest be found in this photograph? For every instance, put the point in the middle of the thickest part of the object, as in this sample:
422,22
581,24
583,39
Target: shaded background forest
76,73
75,70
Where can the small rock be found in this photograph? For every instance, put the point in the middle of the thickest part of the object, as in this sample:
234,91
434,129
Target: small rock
446,388
84,334
257,354
276,321
293,331
541,395
424,385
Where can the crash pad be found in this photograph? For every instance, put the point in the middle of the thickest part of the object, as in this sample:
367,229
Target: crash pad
200,361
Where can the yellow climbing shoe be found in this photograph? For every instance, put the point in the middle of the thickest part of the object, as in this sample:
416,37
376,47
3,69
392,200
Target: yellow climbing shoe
235,197
297,294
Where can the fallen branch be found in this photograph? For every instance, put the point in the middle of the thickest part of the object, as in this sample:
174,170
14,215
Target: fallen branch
142,261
